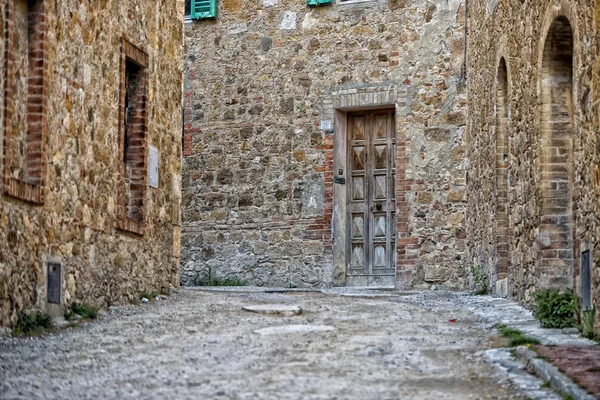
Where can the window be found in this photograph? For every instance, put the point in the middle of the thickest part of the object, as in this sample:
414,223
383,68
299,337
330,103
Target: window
25,106
316,3
202,9
133,142
188,8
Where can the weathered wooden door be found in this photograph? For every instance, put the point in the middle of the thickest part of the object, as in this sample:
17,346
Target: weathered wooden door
371,248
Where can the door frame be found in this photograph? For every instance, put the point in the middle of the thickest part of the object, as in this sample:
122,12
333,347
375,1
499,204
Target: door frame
339,217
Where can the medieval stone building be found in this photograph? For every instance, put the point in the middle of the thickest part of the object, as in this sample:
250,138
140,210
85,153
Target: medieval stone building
324,143
534,150
292,110
90,145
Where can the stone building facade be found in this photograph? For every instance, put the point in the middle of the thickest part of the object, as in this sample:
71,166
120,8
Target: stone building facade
533,209
91,103
324,145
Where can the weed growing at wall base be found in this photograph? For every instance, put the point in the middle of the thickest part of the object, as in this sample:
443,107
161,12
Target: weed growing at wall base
515,336
211,280
30,324
480,280
587,324
556,309
83,310
221,282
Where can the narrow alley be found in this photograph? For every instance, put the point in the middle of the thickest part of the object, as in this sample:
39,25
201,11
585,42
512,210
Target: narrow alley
202,344
300,199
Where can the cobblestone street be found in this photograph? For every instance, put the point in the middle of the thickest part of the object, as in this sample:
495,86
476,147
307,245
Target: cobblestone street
300,200
202,345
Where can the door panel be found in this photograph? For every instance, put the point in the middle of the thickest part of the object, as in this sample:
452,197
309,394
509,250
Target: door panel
380,187
358,159
358,183
371,207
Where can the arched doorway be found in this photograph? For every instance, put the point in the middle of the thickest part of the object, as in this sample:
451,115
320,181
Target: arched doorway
502,233
555,263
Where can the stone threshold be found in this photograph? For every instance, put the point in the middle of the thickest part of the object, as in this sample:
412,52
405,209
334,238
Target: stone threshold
251,289
340,291
549,373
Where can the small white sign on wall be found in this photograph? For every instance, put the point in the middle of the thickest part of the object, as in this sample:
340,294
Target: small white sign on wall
152,166
327,125
289,21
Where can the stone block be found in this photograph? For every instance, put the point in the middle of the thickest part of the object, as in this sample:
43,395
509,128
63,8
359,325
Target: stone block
436,273
457,195
425,197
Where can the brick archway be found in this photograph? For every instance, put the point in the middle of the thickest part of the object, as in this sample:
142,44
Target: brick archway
556,261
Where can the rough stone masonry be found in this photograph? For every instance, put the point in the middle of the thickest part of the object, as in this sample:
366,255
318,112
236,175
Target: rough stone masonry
75,197
267,86
533,146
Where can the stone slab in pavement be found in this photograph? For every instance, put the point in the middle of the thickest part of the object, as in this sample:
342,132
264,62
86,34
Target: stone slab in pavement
285,329
274,309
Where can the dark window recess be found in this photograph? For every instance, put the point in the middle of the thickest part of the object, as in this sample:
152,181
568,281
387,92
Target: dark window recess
188,8
127,112
183,132
54,283
133,172
133,151
586,282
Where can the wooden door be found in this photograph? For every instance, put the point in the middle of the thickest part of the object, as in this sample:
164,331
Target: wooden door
371,247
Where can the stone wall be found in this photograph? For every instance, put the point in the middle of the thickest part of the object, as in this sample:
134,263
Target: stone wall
550,119
264,86
67,212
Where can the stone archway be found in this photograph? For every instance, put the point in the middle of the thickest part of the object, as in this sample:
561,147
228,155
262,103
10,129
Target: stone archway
555,263
502,226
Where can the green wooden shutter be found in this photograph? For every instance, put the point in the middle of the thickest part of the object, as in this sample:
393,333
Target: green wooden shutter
203,9
316,3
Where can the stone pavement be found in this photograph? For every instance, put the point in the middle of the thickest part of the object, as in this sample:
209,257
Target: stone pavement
575,358
201,344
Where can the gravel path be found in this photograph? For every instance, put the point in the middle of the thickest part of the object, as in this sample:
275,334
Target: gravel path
202,345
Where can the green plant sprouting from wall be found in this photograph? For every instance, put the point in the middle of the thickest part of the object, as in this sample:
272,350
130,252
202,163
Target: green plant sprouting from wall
481,280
